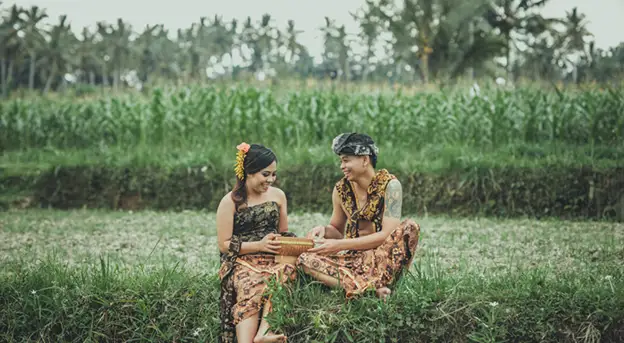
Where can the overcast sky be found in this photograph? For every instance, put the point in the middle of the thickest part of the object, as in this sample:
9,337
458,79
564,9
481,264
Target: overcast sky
605,17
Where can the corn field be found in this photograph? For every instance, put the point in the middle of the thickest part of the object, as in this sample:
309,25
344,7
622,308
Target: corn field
222,115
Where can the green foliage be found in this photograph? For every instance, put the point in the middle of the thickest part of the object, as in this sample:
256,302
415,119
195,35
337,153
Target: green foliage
200,118
105,303
550,190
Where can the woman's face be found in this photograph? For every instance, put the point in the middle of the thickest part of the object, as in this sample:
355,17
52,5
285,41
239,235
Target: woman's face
261,181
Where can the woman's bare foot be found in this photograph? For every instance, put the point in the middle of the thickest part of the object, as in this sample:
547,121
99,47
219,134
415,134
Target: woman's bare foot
270,337
383,293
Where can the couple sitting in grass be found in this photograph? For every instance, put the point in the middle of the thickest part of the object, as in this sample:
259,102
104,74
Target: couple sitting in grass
364,247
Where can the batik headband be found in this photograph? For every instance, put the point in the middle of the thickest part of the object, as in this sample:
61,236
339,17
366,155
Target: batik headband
359,145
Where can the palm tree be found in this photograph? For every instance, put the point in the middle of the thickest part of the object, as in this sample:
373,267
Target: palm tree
104,46
574,37
369,32
332,50
434,36
293,47
190,42
267,35
249,39
542,61
512,16
33,39
60,54
220,38
120,40
87,55
10,45
146,51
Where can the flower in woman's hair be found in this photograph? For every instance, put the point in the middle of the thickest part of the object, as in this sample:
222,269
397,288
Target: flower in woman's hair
239,167
244,147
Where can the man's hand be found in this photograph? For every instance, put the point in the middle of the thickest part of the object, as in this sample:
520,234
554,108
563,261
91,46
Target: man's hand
317,232
327,246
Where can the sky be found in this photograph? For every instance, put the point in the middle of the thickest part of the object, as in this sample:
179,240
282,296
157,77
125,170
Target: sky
605,17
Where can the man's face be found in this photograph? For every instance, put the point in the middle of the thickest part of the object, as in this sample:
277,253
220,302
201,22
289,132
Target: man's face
353,166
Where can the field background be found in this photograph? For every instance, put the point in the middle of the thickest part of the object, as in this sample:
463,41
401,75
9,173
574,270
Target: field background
108,232
525,151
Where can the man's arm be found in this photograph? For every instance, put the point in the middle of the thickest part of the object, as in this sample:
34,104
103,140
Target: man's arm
391,219
335,229
393,206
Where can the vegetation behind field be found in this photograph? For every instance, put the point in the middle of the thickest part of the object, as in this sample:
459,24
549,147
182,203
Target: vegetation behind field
509,152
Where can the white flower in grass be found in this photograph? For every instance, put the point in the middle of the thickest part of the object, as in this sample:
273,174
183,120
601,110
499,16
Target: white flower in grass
494,304
608,277
33,292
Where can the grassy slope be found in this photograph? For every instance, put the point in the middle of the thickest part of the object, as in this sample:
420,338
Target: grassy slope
473,279
432,158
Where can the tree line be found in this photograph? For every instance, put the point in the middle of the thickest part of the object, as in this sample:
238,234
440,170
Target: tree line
414,41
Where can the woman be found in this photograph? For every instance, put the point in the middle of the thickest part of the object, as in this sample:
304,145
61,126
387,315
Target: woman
249,219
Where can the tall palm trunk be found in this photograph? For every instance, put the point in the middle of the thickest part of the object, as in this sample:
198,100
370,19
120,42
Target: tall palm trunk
424,60
104,75
7,77
51,77
3,71
32,70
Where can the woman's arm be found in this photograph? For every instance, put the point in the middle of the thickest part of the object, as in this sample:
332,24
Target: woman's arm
225,228
283,205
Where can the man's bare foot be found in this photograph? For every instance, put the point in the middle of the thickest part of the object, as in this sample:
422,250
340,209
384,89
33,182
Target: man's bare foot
383,293
270,337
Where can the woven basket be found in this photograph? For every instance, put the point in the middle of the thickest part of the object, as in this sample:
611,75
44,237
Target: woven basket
294,246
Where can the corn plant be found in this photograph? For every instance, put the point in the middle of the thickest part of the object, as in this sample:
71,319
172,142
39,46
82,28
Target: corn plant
220,115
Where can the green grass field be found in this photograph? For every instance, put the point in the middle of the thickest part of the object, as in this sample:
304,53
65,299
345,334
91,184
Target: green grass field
103,276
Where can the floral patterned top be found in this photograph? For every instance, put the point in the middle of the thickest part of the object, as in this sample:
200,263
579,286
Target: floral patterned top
372,211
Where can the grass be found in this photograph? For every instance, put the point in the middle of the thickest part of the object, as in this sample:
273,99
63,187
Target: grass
427,158
189,238
114,276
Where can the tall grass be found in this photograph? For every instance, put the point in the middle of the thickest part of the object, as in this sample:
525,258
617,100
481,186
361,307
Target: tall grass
103,302
219,116
99,276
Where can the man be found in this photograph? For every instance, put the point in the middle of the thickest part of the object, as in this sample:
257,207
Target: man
366,245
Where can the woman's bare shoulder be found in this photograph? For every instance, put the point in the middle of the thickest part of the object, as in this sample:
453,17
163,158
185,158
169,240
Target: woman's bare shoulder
277,195
226,202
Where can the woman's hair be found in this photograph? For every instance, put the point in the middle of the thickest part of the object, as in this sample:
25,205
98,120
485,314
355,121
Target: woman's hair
257,158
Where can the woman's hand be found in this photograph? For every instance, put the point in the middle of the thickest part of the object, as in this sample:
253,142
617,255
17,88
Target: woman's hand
269,244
